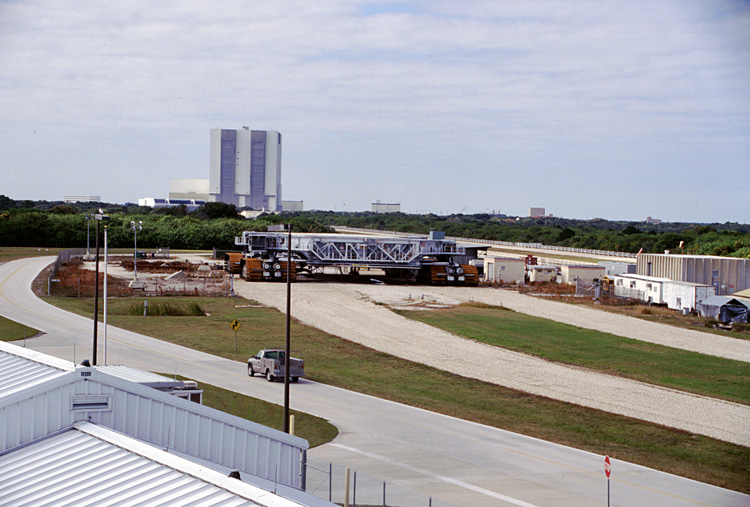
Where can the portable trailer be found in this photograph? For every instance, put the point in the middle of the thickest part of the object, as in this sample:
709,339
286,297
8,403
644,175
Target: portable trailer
430,260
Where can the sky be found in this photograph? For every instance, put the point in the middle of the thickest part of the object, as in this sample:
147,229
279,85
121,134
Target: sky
590,109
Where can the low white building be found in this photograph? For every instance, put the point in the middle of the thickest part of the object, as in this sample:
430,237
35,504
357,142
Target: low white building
542,273
504,270
681,296
583,273
686,296
646,288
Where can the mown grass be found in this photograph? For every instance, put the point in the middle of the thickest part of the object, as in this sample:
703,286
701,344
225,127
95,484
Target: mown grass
658,314
315,430
607,353
10,253
11,331
341,363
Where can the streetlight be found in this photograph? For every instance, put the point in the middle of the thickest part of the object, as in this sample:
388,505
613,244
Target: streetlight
106,261
88,234
136,227
288,348
99,217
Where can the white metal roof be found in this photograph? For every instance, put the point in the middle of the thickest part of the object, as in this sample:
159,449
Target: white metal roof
146,378
91,465
21,368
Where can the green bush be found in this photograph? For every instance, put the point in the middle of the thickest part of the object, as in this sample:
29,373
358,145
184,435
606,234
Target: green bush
166,310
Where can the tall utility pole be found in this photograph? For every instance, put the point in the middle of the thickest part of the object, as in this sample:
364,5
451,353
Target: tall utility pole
99,217
288,317
96,296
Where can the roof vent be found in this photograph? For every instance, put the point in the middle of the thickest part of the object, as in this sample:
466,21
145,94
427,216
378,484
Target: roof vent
235,474
89,402
86,363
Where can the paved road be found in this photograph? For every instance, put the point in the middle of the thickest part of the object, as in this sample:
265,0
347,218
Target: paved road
449,459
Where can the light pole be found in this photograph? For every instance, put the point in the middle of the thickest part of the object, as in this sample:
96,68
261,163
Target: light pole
106,261
288,348
136,227
88,234
99,217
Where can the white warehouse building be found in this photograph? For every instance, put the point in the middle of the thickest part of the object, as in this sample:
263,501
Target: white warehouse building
83,435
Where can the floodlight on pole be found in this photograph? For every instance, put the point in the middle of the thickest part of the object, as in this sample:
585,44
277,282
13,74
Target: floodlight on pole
99,217
106,261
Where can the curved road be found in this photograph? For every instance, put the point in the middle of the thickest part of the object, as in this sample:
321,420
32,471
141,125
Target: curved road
449,459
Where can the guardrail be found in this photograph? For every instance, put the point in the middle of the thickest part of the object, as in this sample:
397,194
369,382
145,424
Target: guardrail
538,246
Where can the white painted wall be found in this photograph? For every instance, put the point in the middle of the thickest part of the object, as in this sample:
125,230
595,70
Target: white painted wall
500,269
685,295
214,174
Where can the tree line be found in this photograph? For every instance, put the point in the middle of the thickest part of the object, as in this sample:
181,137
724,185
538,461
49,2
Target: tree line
215,225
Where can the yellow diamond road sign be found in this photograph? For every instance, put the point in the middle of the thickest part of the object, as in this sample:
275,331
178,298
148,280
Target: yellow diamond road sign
236,325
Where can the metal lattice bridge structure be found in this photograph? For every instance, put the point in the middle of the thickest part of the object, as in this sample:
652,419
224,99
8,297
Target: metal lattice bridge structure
265,255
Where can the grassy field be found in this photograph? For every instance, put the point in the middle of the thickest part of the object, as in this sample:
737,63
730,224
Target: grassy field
9,253
344,364
614,355
315,430
11,331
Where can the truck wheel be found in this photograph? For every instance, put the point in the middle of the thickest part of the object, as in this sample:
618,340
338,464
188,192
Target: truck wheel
269,376
250,371
295,379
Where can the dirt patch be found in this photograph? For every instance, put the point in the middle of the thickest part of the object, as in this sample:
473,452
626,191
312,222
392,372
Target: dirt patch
154,278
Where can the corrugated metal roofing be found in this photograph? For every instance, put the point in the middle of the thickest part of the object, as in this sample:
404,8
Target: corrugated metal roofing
18,372
79,468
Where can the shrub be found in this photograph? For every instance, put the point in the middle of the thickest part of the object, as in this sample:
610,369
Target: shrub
167,310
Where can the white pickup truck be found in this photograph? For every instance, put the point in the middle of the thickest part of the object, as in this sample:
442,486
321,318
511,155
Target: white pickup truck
271,363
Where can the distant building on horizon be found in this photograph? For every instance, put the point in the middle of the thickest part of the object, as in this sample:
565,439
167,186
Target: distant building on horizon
82,198
292,205
536,212
385,207
245,168
650,220
188,188
155,202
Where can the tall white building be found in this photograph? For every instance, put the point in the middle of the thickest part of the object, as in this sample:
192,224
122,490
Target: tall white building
245,168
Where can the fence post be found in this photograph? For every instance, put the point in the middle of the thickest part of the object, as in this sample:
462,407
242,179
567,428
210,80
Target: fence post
346,486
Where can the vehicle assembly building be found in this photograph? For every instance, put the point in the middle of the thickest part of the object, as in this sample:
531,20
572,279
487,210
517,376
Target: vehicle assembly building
245,168
433,260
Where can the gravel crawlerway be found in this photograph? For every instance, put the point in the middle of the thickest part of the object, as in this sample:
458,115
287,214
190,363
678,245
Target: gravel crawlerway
349,311
579,316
